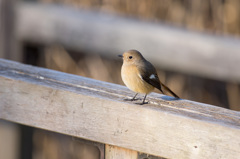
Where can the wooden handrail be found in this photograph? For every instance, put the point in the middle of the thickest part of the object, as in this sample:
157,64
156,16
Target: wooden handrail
171,48
95,110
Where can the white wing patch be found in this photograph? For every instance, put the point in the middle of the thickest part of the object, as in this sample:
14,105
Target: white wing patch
152,76
140,76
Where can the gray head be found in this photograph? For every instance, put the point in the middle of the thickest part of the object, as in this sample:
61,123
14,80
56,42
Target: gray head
132,57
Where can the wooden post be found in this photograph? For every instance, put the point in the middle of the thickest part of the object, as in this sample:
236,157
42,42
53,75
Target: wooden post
9,46
114,152
8,50
9,135
9,132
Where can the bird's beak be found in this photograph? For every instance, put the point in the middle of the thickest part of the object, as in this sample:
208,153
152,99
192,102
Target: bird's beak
120,56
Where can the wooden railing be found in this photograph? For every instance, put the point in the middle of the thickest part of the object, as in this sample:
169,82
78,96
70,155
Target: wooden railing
194,53
171,48
95,110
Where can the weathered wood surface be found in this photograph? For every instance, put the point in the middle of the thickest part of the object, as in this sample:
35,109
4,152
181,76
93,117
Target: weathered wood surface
167,47
95,110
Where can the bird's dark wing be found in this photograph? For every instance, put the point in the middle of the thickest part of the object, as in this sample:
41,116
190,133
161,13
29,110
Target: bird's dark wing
150,76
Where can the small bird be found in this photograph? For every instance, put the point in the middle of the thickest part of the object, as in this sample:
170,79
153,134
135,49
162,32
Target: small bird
139,75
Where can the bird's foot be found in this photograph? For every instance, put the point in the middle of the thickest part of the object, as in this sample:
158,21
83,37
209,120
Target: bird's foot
132,99
142,103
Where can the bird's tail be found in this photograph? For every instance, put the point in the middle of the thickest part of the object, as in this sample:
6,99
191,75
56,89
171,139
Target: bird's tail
169,90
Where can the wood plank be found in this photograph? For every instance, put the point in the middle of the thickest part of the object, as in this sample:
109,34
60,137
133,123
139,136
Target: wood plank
95,111
170,48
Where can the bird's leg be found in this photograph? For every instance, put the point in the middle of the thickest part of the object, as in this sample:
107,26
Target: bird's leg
132,98
143,102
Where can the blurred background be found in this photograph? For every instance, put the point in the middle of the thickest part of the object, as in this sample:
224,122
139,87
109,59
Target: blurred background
195,46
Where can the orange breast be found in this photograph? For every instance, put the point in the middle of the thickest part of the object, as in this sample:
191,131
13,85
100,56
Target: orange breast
132,79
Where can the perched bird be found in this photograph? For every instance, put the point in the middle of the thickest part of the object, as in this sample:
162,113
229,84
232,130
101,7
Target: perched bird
139,75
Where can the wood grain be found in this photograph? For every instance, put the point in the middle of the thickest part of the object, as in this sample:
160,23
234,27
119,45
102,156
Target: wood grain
95,111
167,47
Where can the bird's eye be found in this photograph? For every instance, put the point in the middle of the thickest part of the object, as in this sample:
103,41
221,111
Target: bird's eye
130,57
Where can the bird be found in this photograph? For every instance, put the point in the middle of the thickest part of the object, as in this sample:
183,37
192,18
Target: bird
140,76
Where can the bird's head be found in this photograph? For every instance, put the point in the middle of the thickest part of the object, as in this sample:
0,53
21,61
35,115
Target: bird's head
132,57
